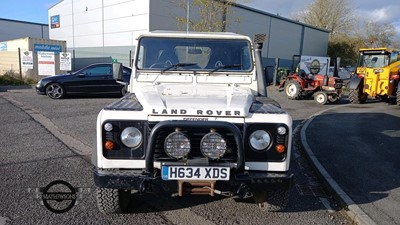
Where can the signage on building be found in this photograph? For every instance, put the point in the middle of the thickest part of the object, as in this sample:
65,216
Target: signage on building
27,59
46,64
55,21
65,61
47,48
3,46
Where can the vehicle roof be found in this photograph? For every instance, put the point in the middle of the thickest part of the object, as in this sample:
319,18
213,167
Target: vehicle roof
192,34
99,64
376,49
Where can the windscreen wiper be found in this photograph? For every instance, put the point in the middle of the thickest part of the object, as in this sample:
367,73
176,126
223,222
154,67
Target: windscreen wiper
178,65
225,67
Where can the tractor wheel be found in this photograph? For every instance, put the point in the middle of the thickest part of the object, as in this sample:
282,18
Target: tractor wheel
321,97
293,89
398,97
112,200
357,96
333,98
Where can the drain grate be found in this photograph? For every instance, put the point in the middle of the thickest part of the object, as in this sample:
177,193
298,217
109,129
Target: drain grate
311,190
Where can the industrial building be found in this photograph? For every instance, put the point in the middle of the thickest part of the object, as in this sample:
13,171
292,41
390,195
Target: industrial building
14,29
20,40
104,30
108,27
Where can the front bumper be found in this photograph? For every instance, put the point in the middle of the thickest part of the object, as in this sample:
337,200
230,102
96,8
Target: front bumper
249,181
240,180
40,90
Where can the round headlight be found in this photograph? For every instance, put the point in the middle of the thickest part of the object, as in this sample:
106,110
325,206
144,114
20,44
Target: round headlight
131,137
260,140
177,145
282,130
213,145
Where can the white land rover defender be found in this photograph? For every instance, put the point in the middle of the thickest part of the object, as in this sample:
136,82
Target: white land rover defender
196,120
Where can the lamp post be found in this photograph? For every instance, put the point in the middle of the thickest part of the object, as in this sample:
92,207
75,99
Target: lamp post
187,15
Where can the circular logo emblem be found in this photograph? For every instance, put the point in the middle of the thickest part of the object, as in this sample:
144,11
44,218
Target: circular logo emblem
315,66
59,196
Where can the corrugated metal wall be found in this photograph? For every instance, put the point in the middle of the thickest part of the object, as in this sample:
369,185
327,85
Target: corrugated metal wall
13,29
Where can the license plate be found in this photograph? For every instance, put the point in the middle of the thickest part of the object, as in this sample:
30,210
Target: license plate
195,173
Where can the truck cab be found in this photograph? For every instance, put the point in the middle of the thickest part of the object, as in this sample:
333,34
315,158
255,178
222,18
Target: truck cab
196,120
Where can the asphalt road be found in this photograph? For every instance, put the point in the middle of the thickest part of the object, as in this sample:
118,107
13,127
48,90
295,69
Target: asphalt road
43,140
362,154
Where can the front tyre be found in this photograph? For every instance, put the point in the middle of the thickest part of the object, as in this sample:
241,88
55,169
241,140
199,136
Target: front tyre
293,89
55,91
321,97
112,200
272,201
357,96
123,90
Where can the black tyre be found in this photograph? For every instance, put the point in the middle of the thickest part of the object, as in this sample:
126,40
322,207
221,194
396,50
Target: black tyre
321,97
333,98
272,201
123,90
293,89
112,200
357,96
55,91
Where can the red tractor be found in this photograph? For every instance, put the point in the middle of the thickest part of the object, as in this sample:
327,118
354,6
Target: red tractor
324,88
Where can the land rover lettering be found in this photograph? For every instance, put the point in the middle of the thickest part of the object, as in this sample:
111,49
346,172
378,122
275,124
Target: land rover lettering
198,112
170,111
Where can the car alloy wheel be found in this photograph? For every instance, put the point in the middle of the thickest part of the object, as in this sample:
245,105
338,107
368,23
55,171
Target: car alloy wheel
55,91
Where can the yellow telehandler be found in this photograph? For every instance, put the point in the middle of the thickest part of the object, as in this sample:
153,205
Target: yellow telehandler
377,75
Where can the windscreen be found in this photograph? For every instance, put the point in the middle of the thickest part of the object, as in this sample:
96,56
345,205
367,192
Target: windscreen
156,53
373,60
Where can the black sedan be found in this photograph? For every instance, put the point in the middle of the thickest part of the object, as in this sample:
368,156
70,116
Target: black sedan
93,79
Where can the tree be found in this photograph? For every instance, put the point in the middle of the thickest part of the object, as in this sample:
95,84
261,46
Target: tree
213,15
346,47
378,34
336,16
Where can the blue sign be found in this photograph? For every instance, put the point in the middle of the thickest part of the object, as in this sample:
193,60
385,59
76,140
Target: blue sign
47,48
55,21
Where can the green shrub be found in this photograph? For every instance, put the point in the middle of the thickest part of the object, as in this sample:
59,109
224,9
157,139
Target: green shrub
12,78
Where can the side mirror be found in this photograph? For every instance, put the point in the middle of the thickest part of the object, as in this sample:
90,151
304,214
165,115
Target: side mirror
117,71
118,74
